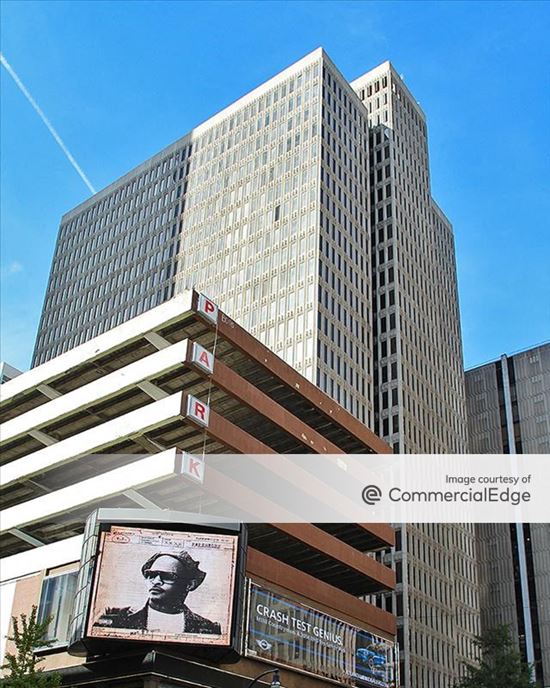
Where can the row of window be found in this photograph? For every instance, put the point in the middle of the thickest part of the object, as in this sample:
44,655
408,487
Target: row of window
287,89
98,208
346,397
343,100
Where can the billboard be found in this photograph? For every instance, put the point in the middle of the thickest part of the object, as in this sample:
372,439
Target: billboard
160,585
286,632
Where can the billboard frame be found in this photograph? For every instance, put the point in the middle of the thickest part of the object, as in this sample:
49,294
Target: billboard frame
100,521
286,595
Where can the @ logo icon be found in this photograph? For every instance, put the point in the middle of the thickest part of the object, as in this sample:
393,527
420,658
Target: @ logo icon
371,494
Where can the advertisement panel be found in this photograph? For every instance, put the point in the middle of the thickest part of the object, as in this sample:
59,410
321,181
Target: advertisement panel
161,585
286,632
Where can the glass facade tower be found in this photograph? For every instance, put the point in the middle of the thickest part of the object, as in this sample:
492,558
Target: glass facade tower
508,403
418,380
304,209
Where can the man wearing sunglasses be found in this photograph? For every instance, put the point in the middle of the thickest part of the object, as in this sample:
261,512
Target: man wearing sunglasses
169,578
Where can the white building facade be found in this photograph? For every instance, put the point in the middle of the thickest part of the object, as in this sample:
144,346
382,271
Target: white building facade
304,209
419,399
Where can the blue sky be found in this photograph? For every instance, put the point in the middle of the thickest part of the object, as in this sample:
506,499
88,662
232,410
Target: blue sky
121,80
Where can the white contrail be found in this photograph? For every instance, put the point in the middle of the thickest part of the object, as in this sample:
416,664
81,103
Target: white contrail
46,121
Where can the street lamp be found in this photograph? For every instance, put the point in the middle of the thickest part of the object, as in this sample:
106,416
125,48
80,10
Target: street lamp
275,681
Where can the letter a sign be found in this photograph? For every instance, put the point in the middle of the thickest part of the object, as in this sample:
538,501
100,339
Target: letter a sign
208,308
202,358
197,410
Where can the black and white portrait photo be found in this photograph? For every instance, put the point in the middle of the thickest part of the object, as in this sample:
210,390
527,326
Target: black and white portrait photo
164,586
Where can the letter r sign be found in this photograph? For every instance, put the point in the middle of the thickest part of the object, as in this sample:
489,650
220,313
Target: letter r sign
197,410
208,308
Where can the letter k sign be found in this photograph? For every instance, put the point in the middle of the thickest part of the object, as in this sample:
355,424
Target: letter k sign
193,467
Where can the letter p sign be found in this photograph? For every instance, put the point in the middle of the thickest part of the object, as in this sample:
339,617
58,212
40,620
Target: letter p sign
208,308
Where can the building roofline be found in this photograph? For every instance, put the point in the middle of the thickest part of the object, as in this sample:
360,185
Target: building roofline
541,345
243,101
437,208
9,370
387,68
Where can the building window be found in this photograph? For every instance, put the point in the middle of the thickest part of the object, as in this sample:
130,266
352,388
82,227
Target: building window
56,600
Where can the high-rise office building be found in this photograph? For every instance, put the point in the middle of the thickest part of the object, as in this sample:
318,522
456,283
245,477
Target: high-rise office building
508,403
418,377
265,208
304,209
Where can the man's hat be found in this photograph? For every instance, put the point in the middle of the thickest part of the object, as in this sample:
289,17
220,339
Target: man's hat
192,572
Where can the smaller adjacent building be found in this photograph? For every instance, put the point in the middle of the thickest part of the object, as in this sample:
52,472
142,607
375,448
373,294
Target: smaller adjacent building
101,475
7,372
508,405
